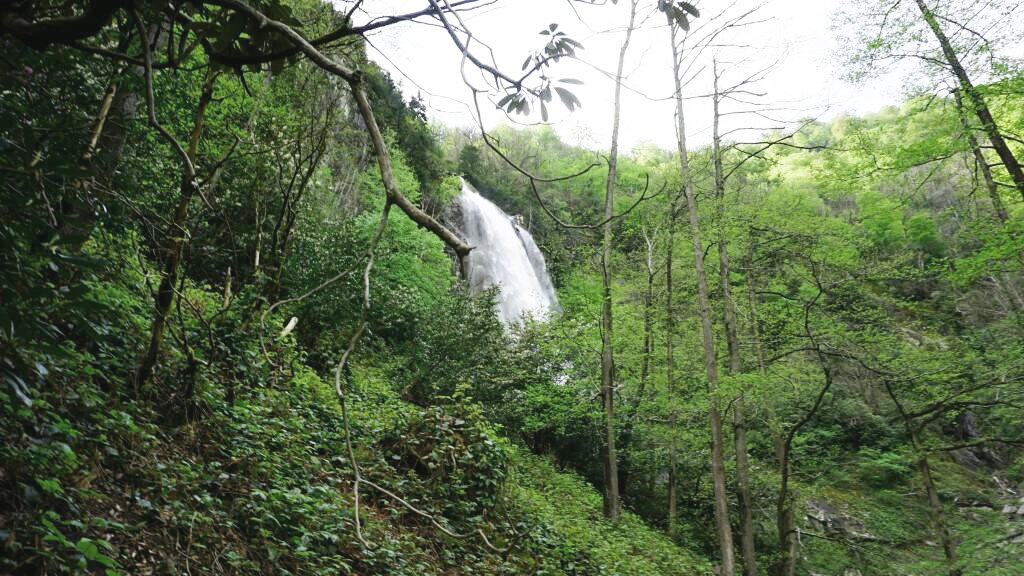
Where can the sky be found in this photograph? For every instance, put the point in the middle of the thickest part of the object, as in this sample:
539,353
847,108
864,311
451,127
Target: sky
795,38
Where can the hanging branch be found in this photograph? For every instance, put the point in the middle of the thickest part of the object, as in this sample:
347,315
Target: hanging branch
62,29
354,78
492,145
345,31
643,196
343,364
342,368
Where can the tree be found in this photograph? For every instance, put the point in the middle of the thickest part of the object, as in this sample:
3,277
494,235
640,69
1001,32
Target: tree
735,364
677,19
611,470
894,31
242,35
177,230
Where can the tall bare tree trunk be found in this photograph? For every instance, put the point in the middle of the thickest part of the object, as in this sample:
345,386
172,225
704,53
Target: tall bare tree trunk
732,340
611,468
721,501
974,97
176,236
670,361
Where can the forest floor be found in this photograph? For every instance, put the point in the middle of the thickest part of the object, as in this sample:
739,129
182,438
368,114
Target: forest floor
852,529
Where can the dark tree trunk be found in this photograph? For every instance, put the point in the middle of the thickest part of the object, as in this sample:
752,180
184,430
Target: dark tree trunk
784,520
175,238
924,467
975,99
721,498
979,160
732,341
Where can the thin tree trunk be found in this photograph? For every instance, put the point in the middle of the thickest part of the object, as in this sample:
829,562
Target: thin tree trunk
670,363
924,467
785,517
721,501
784,514
76,215
648,345
99,124
175,236
980,161
611,471
281,236
732,341
977,102
106,137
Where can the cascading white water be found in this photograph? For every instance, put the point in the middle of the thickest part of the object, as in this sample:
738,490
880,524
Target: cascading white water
505,256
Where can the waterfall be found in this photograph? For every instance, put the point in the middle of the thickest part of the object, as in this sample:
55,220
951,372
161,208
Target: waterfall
505,256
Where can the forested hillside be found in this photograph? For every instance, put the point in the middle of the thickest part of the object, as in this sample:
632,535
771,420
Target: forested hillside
249,325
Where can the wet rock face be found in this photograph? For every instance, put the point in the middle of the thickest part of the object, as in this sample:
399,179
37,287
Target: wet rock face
1013,511
825,518
975,457
451,217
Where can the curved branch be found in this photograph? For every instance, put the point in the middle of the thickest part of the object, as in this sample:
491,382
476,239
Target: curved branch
563,224
354,78
235,60
64,29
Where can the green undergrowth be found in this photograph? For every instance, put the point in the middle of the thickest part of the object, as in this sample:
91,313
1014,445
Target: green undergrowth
234,461
573,510
890,531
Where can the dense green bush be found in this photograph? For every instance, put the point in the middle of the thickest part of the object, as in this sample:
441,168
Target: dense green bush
880,469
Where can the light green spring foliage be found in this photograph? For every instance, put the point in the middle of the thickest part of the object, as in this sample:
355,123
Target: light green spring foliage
881,226
873,236
572,509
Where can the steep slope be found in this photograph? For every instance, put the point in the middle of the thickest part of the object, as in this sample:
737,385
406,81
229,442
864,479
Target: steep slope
263,483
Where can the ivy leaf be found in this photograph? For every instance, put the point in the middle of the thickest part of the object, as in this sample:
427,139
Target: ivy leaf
92,553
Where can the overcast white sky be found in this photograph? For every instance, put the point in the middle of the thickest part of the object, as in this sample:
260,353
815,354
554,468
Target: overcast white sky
796,33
